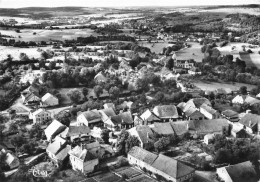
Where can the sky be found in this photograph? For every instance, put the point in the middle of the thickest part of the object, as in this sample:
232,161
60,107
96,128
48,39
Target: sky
117,3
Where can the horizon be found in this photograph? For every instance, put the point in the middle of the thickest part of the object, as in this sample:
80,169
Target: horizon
16,4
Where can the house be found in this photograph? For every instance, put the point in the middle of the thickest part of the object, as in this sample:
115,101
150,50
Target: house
40,116
81,159
245,99
75,132
193,114
143,133
149,118
54,129
209,138
194,71
209,112
166,112
238,173
106,114
109,105
166,167
188,64
29,98
251,122
180,128
196,103
164,129
230,115
49,100
90,118
239,131
212,126
55,147
120,121
11,160
100,78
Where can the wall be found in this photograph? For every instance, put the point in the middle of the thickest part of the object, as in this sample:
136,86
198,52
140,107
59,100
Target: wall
222,173
89,166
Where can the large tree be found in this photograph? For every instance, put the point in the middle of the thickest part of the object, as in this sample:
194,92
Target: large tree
74,95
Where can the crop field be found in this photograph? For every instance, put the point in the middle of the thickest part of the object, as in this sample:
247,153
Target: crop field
194,52
47,35
253,11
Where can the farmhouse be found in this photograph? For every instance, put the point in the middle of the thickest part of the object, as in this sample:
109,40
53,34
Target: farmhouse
166,112
166,167
49,100
90,118
40,116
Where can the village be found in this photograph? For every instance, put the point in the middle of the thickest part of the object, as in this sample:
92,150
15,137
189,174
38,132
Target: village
129,107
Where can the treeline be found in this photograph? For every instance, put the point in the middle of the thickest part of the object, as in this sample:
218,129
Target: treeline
92,39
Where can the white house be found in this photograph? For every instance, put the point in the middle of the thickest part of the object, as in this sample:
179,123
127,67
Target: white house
209,112
245,99
90,118
54,129
40,116
82,160
49,100
11,160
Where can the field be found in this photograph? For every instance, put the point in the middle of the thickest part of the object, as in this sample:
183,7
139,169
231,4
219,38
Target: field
194,52
47,35
15,52
211,86
253,11
157,47
252,59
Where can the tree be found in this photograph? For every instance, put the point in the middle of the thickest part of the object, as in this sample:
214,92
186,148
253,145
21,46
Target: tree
131,142
13,127
114,92
243,90
74,95
98,90
105,136
24,57
18,140
52,65
85,91
159,96
123,136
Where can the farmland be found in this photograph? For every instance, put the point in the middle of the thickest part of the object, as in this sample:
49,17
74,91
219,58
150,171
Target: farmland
194,52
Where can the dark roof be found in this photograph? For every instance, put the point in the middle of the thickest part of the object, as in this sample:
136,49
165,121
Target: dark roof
180,127
63,153
163,128
78,130
123,118
237,172
229,113
250,120
208,126
166,111
172,167
92,116
142,155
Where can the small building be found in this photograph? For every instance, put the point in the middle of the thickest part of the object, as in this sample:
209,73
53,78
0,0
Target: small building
49,100
245,99
194,71
40,116
29,98
188,64
55,147
54,129
209,112
100,78
90,118
209,138
230,115
120,121
82,160
193,114
11,160
75,132
166,112
238,173
143,133
149,118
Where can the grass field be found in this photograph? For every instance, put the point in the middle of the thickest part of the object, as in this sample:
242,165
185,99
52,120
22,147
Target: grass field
252,59
211,86
253,11
157,47
194,52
